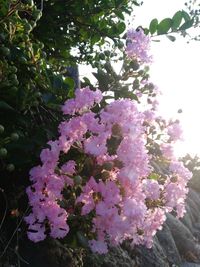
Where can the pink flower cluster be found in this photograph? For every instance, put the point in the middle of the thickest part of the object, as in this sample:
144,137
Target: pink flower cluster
138,45
117,194
175,131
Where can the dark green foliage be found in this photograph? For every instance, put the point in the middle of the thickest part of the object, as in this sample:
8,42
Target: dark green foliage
179,23
36,42
80,24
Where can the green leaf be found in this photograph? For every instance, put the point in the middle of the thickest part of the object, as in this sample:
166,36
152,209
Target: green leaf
188,24
136,3
134,97
146,31
164,26
4,8
154,176
121,27
70,82
185,15
176,20
84,33
57,82
171,38
95,39
153,26
5,106
119,14
102,24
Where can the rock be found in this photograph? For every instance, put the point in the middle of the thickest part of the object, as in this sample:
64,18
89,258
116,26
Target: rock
185,241
154,257
195,183
194,196
189,264
116,257
188,218
194,208
197,226
168,245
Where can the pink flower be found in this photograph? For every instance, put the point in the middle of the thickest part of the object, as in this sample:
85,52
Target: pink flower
138,45
175,131
95,145
152,189
179,169
36,233
111,146
167,150
69,167
84,100
98,246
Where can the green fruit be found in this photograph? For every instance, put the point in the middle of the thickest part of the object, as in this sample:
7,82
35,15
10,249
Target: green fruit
26,37
77,180
37,14
35,47
3,152
27,2
2,37
1,129
14,89
35,103
33,24
107,53
108,166
27,27
23,60
10,167
13,79
41,45
13,69
105,175
120,44
44,54
5,51
32,69
38,94
102,56
25,21
14,136
134,65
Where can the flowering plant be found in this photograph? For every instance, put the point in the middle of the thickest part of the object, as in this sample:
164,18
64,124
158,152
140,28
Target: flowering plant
101,177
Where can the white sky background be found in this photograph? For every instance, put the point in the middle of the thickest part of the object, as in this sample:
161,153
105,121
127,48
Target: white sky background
175,71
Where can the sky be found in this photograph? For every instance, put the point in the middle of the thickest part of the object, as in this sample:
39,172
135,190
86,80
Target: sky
175,71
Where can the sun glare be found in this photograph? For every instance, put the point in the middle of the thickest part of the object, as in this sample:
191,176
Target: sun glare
176,73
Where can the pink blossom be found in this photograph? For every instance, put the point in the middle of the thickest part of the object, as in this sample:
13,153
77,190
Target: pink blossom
114,199
95,145
152,189
175,131
84,100
138,45
167,150
36,233
179,169
69,167
98,246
